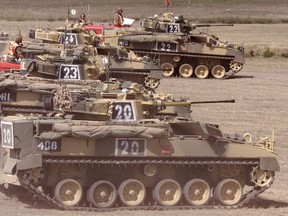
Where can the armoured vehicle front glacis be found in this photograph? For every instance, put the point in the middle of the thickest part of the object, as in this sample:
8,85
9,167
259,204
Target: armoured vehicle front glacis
125,147
182,52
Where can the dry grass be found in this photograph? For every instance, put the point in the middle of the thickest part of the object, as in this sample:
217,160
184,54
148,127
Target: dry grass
235,11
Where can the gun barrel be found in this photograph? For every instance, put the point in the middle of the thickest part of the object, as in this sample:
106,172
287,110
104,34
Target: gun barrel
209,25
217,101
183,103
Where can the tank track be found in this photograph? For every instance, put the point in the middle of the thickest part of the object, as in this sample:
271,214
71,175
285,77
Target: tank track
253,193
227,75
24,110
182,54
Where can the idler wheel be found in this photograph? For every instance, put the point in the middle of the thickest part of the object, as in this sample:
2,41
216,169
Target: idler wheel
167,192
68,192
201,72
132,192
186,70
102,194
236,66
261,177
167,69
197,192
218,71
151,82
228,192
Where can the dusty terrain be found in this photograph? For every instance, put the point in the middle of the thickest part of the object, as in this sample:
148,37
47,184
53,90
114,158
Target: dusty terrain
261,94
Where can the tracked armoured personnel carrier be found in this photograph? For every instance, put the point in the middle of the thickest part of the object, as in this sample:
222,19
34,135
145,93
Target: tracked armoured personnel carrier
92,63
124,148
181,51
74,53
24,94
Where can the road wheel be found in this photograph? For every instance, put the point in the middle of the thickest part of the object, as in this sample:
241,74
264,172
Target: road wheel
201,72
167,192
102,194
197,192
68,192
228,192
132,192
186,70
167,69
218,71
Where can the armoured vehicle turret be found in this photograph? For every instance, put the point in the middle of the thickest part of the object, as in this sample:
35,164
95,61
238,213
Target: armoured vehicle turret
123,147
73,34
181,51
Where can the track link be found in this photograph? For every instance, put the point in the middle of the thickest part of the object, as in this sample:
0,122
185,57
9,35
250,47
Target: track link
39,193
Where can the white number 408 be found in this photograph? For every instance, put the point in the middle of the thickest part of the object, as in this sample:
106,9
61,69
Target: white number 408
48,145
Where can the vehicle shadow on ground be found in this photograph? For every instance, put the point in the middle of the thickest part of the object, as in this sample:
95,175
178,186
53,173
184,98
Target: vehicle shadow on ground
240,77
258,203
261,203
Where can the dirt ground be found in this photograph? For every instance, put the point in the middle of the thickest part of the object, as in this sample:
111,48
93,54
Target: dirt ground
261,94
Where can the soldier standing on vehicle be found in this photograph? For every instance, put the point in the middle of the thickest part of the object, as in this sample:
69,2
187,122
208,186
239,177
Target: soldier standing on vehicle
118,18
82,19
14,50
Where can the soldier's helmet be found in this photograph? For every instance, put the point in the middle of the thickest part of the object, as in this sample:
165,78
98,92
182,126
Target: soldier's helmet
18,39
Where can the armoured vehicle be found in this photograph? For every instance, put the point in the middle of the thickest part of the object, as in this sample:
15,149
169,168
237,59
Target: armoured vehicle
92,63
75,53
24,94
173,42
126,148
73,34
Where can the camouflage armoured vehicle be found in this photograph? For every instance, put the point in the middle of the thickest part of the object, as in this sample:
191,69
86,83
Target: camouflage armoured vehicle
181,52
74,34
79,98
134,150
56,61
75,53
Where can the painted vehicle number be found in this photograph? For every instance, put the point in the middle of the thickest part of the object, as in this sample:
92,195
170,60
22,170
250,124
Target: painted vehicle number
69,72
7,134
123,43
123,111
172,28
7,96
49,145
69,38
130,147
166,46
